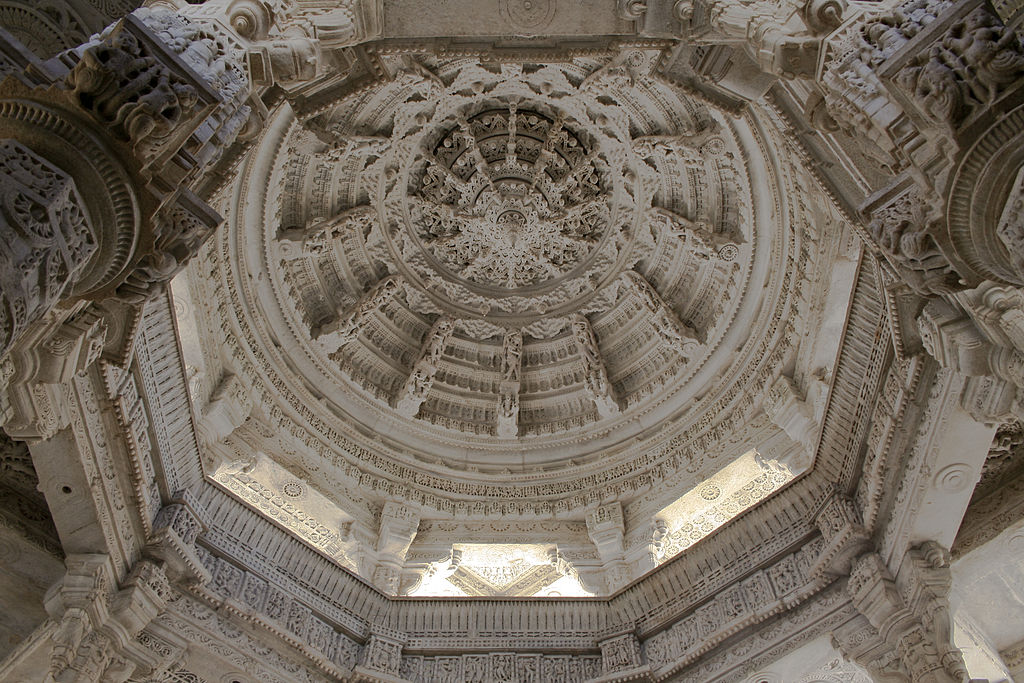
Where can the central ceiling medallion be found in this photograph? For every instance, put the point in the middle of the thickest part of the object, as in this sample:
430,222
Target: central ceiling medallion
508,210
510,199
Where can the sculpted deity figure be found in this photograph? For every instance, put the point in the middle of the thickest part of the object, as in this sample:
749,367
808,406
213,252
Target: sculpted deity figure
511,356
595,379
508,414
418,385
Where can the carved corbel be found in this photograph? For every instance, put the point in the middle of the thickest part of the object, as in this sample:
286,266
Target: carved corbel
664,319
421,379
996,372
346,326
173,540
37,369
227,410
595,375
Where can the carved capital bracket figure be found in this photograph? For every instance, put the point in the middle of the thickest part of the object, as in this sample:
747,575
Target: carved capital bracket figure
509,383
909,636
417,386
346,326
95,620
844,534
398,526
173,540
607,529
995,371
794,416
99,148
696,235
783,39
595,376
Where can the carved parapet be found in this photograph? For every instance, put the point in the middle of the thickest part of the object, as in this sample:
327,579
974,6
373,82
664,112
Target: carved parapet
381,659
621,658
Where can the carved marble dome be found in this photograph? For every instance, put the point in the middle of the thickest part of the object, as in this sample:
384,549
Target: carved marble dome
517,289
485,273
442,341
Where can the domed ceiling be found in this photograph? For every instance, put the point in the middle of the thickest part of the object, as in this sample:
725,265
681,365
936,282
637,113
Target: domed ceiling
515,289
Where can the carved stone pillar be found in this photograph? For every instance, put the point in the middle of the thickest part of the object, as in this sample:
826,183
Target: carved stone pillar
910,636
94,623
922,84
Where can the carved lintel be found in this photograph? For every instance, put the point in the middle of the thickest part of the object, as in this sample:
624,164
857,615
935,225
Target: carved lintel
380,655
620,654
